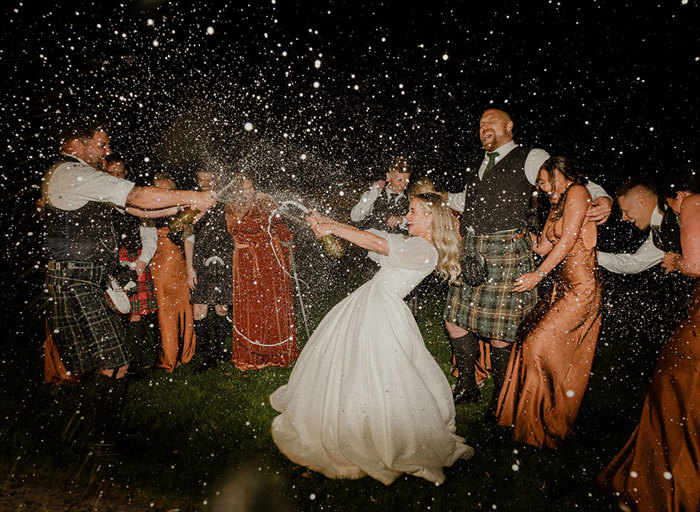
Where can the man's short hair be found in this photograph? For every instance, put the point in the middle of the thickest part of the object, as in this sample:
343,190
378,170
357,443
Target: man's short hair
637,181
400,164
83,128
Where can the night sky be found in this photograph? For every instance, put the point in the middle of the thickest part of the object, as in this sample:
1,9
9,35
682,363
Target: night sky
331,91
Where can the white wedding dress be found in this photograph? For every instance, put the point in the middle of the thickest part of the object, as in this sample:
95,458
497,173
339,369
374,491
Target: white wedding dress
366,397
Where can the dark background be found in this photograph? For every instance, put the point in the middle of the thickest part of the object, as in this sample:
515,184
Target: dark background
613,83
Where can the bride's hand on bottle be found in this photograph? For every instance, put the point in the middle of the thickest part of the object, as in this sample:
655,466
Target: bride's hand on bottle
319,224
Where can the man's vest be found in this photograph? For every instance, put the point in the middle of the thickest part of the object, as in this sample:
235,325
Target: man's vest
127,229
502,200
667,236
212,237
85,234
382,209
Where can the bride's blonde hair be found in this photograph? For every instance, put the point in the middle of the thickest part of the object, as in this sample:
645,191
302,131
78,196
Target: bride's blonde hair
445,236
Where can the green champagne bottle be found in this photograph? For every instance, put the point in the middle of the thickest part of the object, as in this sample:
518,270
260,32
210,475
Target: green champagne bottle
182,219
332,245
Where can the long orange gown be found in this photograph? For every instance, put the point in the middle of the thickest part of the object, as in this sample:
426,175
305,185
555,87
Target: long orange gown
175,315
264,332
548,370
659,467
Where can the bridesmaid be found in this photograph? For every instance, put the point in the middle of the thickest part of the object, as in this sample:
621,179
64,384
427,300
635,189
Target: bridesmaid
659,467
548,370
175,316
264,332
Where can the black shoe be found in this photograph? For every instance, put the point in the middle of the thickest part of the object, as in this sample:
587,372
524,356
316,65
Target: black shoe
464,394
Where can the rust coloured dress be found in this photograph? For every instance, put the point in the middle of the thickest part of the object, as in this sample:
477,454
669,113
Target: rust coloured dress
175,316
658,469
264,332
548,370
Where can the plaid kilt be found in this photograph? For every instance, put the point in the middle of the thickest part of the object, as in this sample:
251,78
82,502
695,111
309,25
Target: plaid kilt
87,334
143,299
493,310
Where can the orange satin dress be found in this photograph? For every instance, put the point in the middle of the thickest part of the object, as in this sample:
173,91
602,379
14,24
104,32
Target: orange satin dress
175,316
550,362
54,370
659,467
264,332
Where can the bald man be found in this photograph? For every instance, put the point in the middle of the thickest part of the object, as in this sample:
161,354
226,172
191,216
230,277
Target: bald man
496,207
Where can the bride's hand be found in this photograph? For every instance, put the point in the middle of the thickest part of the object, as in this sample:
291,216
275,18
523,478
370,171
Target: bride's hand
319,224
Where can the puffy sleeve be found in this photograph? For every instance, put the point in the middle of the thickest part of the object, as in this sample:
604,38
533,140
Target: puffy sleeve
412,253
374,256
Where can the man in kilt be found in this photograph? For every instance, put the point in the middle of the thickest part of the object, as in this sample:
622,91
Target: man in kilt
138,243
82,251
497,214
209,255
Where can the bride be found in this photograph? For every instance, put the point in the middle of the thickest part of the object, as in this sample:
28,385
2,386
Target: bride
366,397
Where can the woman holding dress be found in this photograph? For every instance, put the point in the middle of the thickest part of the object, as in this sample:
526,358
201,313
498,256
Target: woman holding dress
366,397
659,467
548,370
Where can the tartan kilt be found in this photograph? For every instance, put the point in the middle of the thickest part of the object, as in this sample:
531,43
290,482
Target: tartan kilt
87,334
143,299
493,310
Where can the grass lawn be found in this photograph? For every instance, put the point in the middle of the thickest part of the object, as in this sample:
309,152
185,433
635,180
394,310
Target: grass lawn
202,441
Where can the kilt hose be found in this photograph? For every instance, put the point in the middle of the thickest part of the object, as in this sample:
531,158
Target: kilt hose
493,310
143,299
87,334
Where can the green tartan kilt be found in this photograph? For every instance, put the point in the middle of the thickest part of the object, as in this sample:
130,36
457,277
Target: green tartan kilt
88,335
493,310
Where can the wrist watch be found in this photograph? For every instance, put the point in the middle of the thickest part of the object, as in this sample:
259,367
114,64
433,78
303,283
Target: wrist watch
540,273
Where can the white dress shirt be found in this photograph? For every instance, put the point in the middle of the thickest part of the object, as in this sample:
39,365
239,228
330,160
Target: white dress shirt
364,206
71,185
149,243
645,257
533,163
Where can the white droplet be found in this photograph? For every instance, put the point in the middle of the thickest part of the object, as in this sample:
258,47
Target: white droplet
146,159
317,64
312,496
445,56
210,30
316,85
303,156
150,22
667,475
634,474
651,128
515,467
248,126
570,393
155,42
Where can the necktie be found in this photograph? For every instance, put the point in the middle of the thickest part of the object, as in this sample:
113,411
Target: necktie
491,162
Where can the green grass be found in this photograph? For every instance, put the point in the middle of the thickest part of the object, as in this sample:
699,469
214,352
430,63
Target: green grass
189,437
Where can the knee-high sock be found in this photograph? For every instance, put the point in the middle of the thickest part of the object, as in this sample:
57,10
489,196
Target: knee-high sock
136,341
204,344
466,351
105,408
222,327
499,362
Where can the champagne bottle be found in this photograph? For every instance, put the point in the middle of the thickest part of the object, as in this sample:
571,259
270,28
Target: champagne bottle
332,245
182,219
